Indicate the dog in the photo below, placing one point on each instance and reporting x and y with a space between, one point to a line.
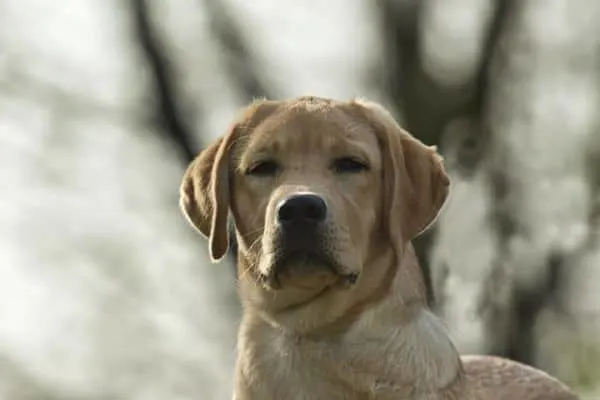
326 196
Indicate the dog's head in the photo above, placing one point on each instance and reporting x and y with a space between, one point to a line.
319 190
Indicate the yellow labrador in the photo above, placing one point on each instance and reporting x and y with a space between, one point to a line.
326 196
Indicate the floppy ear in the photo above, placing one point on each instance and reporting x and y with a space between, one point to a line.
429 184
204 191
204 195
415 182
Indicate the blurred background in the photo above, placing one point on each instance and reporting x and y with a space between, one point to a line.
107 293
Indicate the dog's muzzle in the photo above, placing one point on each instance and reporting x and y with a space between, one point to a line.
300 239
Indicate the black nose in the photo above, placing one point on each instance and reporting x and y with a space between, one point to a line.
302 208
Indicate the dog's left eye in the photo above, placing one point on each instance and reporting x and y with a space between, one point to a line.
263 168
348 165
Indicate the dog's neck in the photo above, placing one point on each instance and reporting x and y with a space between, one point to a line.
391 342
395 294
414 348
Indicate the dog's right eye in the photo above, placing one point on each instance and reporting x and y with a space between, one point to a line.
348 165
263 168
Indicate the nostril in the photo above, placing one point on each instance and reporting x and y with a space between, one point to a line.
285 212
315 211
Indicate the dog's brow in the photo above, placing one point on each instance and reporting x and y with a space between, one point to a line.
252 153
358 147
354 147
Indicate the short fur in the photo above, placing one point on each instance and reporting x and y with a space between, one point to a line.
309 333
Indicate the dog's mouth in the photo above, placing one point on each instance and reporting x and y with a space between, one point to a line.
307 268
304 259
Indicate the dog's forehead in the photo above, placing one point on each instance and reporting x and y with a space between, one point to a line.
310 128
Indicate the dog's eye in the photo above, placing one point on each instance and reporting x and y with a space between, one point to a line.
348 165
263 168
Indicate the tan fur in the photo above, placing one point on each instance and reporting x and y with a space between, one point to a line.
308 333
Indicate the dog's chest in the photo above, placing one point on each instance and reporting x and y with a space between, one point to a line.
306 369
411 363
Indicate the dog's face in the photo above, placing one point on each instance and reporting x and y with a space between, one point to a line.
318 190
306 196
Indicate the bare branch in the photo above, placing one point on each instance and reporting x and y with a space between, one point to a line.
241 64
167 112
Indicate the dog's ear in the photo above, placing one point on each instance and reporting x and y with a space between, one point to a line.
205 188
415 183
204 195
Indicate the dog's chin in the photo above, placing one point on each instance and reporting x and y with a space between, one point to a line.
306 276
306 271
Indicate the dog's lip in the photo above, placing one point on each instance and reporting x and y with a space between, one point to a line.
272 278
307 256
351 277
324 291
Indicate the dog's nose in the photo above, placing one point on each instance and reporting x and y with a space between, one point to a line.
302 208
